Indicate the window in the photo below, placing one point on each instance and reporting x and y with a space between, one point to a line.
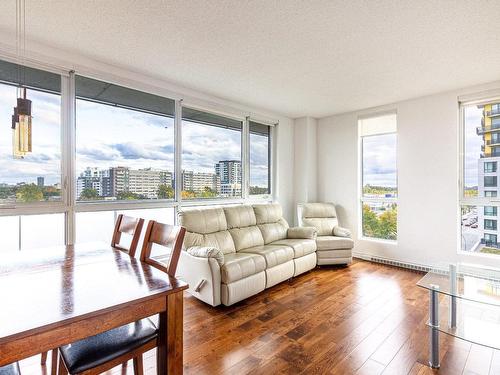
490 224
260 159
36 177
123 159
98 226
124 143
379 189
490 239
490 167
211 155
490 181
490 211
31 231
479 181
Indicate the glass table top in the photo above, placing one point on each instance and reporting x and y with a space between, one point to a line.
465 281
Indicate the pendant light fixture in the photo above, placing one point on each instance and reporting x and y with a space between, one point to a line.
21 119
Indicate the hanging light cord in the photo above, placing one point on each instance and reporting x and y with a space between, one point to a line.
21 39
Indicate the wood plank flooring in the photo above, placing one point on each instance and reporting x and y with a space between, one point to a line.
363 319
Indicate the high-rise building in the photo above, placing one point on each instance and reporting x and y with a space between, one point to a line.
146 181
40 181
119 180
229 173
489 173
200 181
95 179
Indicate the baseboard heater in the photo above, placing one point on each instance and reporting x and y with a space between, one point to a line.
390 262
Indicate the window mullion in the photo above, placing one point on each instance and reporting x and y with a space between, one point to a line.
178 152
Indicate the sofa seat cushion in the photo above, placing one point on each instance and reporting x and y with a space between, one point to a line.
300 247
237 266
273 254
334 243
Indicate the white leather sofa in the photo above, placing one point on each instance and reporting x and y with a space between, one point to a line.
334 243
232 253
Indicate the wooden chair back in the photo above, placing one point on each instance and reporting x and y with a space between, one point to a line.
129 225
165 235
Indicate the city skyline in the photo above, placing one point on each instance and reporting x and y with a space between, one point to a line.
147 143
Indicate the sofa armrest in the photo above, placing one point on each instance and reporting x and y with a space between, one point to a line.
207 252
302 232
341 232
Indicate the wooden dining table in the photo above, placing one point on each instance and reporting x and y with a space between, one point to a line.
56 296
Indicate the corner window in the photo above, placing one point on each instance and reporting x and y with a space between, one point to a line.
479 183
379 188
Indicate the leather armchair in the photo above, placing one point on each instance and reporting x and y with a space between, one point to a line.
333 242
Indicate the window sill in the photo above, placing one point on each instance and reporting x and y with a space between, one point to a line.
378 240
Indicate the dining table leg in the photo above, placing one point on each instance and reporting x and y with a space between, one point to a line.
169 355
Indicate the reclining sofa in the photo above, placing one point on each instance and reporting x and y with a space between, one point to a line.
232 253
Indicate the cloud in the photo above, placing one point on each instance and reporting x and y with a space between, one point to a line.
379 160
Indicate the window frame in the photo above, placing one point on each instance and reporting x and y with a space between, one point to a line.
463 200
361 198
69 206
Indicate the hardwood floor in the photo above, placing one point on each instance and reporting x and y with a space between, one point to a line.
363 319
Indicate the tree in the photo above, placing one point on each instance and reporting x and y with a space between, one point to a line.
29 193
370 222
208 193
89 194
258 190
384 226
129 196
165 192
188 194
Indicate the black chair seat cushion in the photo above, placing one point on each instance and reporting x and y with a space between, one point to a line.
12 369
104 347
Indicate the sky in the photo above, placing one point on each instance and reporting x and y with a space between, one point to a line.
379 160
110 136
473 143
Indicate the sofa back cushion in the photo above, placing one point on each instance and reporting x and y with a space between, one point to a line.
240 216
204 221
322 216
206 227
270 222
241 222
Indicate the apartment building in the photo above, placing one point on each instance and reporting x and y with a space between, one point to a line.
229 173
199 181
488 173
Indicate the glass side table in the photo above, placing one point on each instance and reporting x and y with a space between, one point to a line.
464 302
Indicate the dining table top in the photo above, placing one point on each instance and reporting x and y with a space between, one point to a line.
40 289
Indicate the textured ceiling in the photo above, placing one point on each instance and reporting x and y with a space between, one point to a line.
297 58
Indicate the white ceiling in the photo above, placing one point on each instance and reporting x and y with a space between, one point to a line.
298 58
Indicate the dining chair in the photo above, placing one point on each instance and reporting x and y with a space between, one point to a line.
129 225
53 361
168 236
106 350
12 369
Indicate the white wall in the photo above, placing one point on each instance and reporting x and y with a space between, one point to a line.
428 172
305 160
48 57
